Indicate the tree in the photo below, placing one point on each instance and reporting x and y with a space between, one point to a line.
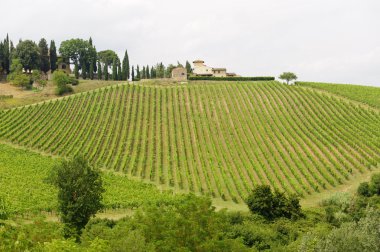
119 71
147 72
6 55
76 70
188 67
44 56
288 77
105 72
126 66
80 191
17 77
84 71
61 79
133 73
260 201
29 54
114 69
153 73
99 71
91 73
78 51
138 74
107 57
364 189
53 56
143 75
375 184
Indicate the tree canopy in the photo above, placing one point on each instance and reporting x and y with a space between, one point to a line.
107 57
288 77
29 54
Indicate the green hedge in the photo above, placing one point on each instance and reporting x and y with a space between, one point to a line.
264 78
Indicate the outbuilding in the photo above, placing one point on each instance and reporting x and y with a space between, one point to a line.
179 74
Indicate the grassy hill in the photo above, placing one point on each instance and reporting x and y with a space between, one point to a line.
364 94
217 138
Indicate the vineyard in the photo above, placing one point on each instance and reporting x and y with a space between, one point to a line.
218 139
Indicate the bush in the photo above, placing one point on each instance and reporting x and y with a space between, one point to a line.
74 81
271 206
61 79
231 78
375 184
21 80
364 190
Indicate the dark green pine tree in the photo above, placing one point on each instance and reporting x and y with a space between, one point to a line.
120 74
143 75
84 72
126 69
99 71
53 56
153 73
90 41
76 70
147 72
91 72
105 72
138 74
188 67
6 55
114 69
133 73
44 55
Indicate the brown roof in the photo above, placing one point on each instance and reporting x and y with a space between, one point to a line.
198 61
219 69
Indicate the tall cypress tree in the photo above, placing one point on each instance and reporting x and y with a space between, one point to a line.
119 71
133 73
188 67
114 69
138 74
153 73
91 72
1 57
126 66
99 71
147 72
44 55
53 56
143 75
105 72
76 70
84 71
6 56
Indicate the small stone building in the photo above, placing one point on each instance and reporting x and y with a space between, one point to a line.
219 72
179 74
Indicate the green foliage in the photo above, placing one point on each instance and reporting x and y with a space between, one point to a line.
133 73
364 94
37 77
114 69
288 77
29 55
209 78
78 51
364 190
271 206
91 72
107 57
375 184
21 80
44 55
188 68
3 210
84 71
80 189
125 70
105 72
76 70
61 79
53 56
100 76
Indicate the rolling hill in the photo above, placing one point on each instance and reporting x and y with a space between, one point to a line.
218 139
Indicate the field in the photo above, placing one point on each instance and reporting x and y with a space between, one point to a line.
24 188
218 139
364 94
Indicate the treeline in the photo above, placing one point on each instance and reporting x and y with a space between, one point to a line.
158 71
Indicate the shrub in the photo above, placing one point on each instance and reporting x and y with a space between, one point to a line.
375 184
74 81
231 78
21 80
364 190
61 79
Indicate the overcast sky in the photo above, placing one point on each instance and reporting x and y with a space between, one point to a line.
319 40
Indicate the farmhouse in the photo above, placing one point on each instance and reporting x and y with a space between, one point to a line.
179 74
200 69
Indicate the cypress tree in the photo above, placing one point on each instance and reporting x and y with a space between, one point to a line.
76 70
6 55
1 58
44 56
147 72
188 67
126 66
105 72
133 73
143 76
138 74
114 69
91 73
53 56
119 71
152 73
99 71
84 71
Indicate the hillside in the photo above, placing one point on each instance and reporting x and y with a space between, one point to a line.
218 139
364 94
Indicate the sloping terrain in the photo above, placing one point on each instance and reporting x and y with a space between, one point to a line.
218 139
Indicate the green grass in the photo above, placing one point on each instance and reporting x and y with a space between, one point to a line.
218 139
22 182
364 94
